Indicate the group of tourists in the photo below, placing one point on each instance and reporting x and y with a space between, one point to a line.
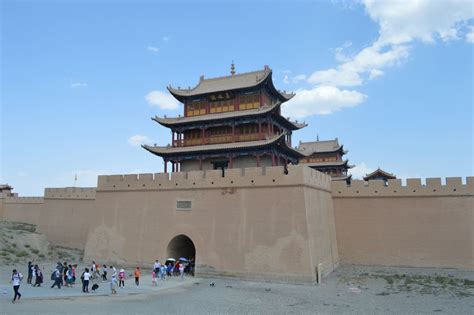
64 274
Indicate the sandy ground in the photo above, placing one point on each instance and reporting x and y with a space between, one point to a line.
348 290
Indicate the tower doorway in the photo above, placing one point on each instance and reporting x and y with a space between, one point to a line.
181 247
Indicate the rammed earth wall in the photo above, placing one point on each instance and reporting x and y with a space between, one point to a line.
253 223
66 215
428 225
22 209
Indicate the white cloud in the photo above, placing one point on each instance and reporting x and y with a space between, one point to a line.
321 100
404 21
375 73
153 49
295 79
335 77
162 100
470 35
137 140
166 38
400 23
360 170
78 84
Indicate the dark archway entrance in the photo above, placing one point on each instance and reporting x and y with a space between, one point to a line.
182 246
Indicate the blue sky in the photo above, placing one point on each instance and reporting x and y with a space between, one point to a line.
393 81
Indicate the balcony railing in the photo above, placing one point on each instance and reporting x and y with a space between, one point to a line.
227 138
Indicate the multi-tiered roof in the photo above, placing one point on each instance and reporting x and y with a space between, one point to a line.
230 121
326 156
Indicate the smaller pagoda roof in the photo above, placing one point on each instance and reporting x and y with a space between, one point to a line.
181 121
324 146
219 147
379 174
5 187
228 83
330 164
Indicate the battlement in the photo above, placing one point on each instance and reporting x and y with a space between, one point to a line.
29 200
236 177
413 188
70 193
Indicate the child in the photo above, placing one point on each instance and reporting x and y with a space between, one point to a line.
137 276
153 278
121 278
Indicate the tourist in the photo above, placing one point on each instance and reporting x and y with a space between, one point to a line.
169 269
104 273
74 267
113 280
93 269
69 276
121 278
162 272
157 266
153 278
65 270
56 276
137 276
181 270
30 272
16 279
39 276
85 281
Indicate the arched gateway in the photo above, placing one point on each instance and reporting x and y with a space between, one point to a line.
181 246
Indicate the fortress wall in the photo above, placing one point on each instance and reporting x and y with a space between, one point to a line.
22 209
417 225
66 215
253 223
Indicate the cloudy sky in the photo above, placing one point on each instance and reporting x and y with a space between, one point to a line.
79 81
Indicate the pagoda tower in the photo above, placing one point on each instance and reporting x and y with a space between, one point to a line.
233 121
326 156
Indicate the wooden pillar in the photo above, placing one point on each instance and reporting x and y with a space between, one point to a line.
172 138
277 160
200 163
258 159
172 166
233 132
231 161
273 159
259 130
237 102
203 132
166 166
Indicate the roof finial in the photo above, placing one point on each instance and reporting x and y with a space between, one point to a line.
232 68
317 137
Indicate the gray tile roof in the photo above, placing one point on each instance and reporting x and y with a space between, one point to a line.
328 164
227 83
308 148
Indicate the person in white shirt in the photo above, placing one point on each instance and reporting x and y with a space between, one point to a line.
16 279
113 280
157 266
85 281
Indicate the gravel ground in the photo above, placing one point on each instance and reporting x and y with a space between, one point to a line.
348 290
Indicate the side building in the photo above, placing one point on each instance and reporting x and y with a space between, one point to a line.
229 122
327 157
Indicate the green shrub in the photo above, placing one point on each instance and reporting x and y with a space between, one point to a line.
21 254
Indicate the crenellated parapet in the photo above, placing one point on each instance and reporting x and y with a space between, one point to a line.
24 200
70 193
413 188
237 177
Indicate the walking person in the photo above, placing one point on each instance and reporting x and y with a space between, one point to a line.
162 272
138 273
154 283
104 273
16 279
56 276
181 271
39 276
113 280
121 278
85 281
30 272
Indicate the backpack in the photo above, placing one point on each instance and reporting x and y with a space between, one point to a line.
53 275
